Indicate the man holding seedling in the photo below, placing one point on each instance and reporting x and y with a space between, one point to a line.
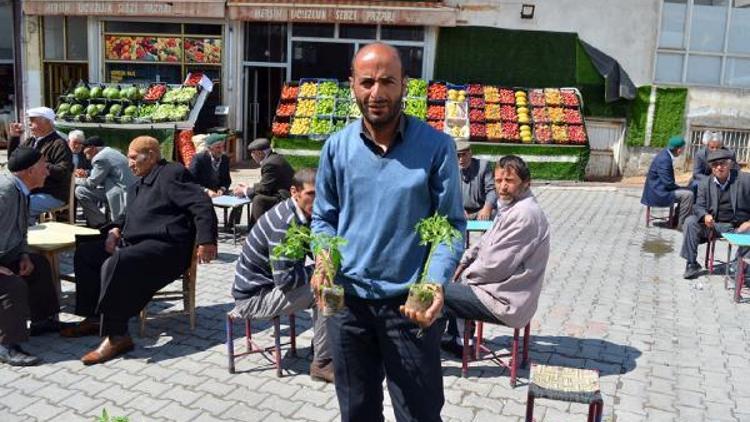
500 278
268 284
377 179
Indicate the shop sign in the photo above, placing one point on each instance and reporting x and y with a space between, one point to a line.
430 16
124 8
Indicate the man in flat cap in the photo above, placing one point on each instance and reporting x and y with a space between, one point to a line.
477 184
210 168
110 181
27 290
723 205
660 189
275 180
56 190
147 248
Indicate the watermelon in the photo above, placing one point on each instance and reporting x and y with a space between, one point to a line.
131 110
76 109
81 93
96 92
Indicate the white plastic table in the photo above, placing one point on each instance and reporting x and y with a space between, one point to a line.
227 202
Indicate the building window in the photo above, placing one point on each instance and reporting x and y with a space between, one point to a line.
704 43
65 47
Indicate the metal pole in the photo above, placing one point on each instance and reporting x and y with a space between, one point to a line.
18 52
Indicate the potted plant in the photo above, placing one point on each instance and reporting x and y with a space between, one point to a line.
432 232
298 242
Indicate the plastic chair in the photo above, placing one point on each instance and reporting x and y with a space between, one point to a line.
252 347
482 352
51 215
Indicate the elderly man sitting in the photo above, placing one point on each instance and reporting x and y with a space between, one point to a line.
56 190
266 287
723 205
148 248
210 168
477 186
275 179
660 189
500 278
81 165
110 182
26 287
712 141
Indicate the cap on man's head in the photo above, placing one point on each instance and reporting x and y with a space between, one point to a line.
214 138
259 144
676 142
23 158
93 141
45 112
718 155
462 146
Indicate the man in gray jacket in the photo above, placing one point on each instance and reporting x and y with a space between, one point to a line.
500 278
26 288
110 181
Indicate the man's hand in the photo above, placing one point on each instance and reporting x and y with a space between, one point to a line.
113 238
80 173
428 317
708 220
484 213
25 266
460 269
239 190
6 271
15 129
319 278
744 227
206 253
213 193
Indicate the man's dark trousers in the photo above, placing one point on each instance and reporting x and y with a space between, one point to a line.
370 340
694 233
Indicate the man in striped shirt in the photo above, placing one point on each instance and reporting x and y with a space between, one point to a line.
265 288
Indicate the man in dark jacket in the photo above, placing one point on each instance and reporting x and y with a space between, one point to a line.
701 170
56 189
148 248
275 180
477 184
210 168
723 205
26 287
660 189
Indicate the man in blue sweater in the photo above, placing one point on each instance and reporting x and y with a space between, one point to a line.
377 178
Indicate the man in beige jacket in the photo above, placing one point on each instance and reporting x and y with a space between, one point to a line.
500 278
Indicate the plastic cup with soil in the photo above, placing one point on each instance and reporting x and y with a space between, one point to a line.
332 297
421 296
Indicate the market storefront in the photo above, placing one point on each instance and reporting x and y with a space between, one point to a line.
9 86
289 41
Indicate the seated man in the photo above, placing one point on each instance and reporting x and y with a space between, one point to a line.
56 190
723 205
110 182
701 170
477 186
26 287
499 279
265 287
660 189
81 165
275 179
148 247
210 168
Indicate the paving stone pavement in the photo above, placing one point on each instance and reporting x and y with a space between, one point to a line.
614 300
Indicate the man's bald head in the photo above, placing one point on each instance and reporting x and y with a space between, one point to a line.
378 51
143 155
144 144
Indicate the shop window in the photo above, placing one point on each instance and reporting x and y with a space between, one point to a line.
358 32
54 41
704 70
402 33
708 25
6 23
411 60
65 38
669 67
738 72
321 59
673 19
313 30
739 28
265 42
76 39
143 27
196 29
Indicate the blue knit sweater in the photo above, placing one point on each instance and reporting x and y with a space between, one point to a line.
375 203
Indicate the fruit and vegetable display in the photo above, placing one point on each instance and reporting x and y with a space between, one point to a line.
146 49
130 103
203 50
316 108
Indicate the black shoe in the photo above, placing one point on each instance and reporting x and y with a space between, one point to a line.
455 349
48 325
692 270
13 355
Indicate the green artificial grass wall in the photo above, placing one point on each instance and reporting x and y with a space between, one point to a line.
669 115
637 116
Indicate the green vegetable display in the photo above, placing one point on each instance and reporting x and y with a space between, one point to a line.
342 108
354 110
339 124
327 89
344 92
416 88
321 126
179 95
324 106
416 107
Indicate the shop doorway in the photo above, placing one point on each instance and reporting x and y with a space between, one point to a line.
262 90
60 77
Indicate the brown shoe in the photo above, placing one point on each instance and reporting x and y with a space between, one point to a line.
322 370
110 348
84 328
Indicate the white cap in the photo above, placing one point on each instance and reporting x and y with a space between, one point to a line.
45 112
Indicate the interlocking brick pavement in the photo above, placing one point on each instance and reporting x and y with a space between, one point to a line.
614 300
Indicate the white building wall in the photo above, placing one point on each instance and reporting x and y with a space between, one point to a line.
626 30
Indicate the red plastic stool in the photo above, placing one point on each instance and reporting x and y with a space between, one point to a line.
252 347
482 352
668 219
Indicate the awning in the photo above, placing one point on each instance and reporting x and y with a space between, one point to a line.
136 8
356 12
